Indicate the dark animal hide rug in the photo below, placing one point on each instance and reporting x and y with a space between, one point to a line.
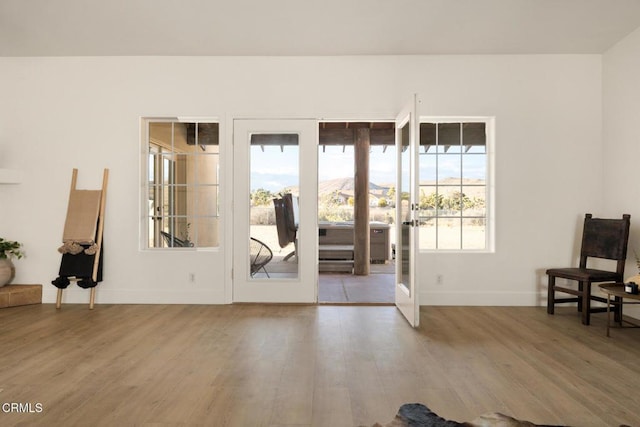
418 415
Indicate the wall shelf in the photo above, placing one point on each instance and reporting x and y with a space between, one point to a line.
10 176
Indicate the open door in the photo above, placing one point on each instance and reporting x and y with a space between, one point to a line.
407 138
275 211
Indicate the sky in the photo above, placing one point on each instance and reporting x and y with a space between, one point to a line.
274 170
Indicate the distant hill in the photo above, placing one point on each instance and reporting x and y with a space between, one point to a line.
344 184
472 187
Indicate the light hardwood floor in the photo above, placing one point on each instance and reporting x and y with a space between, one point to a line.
273 365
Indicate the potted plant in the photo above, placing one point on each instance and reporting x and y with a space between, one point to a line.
8 250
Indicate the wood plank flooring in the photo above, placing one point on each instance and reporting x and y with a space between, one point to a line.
278 365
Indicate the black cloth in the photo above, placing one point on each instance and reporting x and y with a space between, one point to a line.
79 266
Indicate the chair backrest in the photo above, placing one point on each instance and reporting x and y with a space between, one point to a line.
285 220
605 238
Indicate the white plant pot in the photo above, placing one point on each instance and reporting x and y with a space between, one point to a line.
7 271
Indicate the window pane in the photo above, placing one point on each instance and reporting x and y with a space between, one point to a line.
474 137
474 201
164 204
184 138
448 134
207 197
151 242
153 200
183 169
427 167
206 169
151 165
455 201
427 233
182 228
161 133
449 199
474 167
428 137
429 200
166 169
449 233
207 228
473 233
449 167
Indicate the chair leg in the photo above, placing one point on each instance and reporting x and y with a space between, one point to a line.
581 297
586 302
551 298
266 272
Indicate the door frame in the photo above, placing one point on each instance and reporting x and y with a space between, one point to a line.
407 294
303 288
227 171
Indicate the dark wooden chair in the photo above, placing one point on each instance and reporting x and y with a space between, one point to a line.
260 255
601 238
286 223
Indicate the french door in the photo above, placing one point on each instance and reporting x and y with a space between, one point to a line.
275 211
407 142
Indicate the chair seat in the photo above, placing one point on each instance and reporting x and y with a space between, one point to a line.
584 274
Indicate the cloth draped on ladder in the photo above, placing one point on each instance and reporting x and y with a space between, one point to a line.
79 240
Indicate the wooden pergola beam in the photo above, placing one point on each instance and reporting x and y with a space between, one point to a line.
361 249
347 136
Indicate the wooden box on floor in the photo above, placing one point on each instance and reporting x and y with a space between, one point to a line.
15 295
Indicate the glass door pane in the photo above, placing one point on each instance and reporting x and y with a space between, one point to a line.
273 205
405 208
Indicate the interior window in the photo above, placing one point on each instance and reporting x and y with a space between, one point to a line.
182 184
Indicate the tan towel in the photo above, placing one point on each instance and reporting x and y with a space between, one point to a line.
82 216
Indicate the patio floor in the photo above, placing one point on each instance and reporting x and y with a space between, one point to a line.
336 288
343 288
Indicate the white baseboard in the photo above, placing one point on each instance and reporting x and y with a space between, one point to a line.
492 298
76 295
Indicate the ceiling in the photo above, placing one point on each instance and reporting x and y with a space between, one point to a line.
312 27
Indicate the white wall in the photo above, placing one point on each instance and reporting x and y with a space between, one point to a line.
621 134
60 113
621 138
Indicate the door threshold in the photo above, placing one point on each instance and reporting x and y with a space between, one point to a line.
382 304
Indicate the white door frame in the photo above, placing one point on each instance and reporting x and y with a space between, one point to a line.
406 289
302 289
